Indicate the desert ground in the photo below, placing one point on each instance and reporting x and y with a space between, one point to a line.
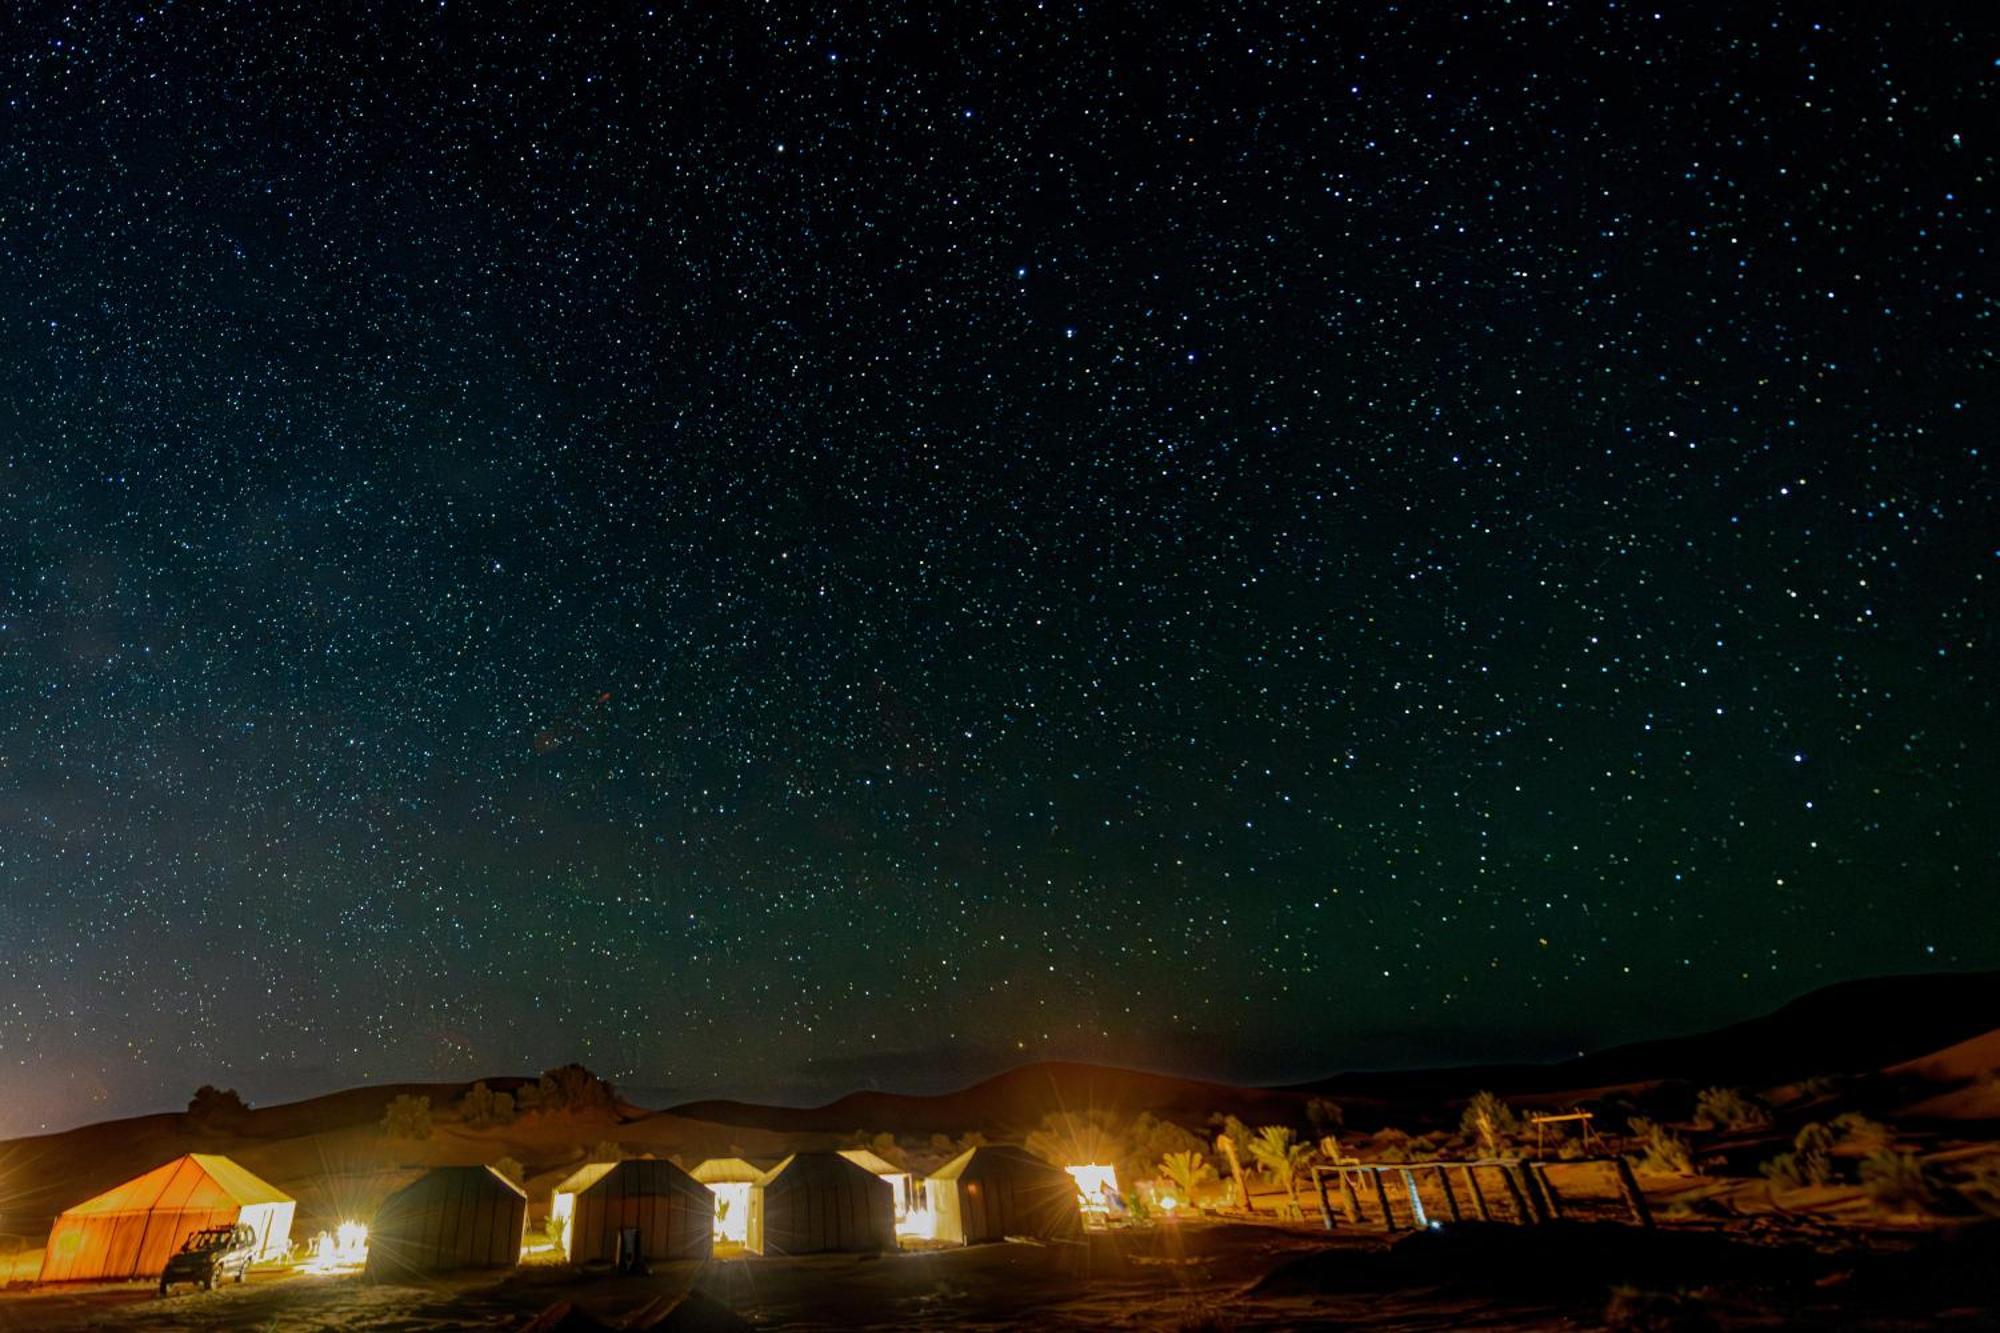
1858 1194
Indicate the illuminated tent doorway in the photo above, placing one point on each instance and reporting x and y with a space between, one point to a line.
730 1180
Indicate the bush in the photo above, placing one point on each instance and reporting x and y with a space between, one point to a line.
1489 1123
1662 1151
513 1170
408 1118
1325 1117
883 1145
1857 1131
216 1108
1148 1142
1898 1184
481 1106
1729 1109
571 1087
606 1151
1807 1164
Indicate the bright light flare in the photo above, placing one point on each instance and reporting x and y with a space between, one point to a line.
344 1251
1096 1187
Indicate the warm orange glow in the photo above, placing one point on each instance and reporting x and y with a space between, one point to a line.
1096 1186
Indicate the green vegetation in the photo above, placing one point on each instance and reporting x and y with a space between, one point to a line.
1489 1124
513 1170
481 1107
1898 1184
1809 1163
407 1117
1662 1151
1729 1109
1188 1171
212 1108
1281 1158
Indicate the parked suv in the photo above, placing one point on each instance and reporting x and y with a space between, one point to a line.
211 1254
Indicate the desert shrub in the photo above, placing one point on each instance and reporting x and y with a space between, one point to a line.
1730 1109
1281 1158
1325 1117
216 1108
1631 1310
571 1087
1187 1170
513 1170
1068 1138
1808 1163
1858 1132
1981 1189
1147 1142
481 1106
606 1151
1898 1184
883 1145
1388 1145
407 1117
1489 1124
1660 1149
1818 1086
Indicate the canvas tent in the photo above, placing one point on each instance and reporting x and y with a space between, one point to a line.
129 1231
674 1213
999 1190
730 1180
818 1201
449 1217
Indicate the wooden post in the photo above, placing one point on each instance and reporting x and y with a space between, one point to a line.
1350 1195
1538 1208
1319 1190
1418 1219
1479 1204
1552 1200
1450 1199
1635 1198
1382 1197
1521 1210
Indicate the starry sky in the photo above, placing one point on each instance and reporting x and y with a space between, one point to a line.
772 551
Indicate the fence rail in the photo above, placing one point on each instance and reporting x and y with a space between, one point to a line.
1394 1193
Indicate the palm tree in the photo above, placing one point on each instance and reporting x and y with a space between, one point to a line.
1281 1158
1187 1170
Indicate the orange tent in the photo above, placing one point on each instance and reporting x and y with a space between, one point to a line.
128 1232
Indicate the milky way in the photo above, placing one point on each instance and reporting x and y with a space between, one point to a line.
775 553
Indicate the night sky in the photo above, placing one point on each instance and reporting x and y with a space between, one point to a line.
772 553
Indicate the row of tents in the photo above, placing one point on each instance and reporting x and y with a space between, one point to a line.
457 1217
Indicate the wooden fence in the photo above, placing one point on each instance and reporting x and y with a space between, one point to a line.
1411 1196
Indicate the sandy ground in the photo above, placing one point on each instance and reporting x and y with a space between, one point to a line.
1192 1277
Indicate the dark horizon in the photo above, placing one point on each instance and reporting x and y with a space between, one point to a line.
942 1071
727 546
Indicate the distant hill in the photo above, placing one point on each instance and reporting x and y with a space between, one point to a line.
1853 1027
1009 1105
1934 1035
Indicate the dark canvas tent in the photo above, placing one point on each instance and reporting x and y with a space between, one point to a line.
674 1212
999 1190
449 1217
130 1231
818 1201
